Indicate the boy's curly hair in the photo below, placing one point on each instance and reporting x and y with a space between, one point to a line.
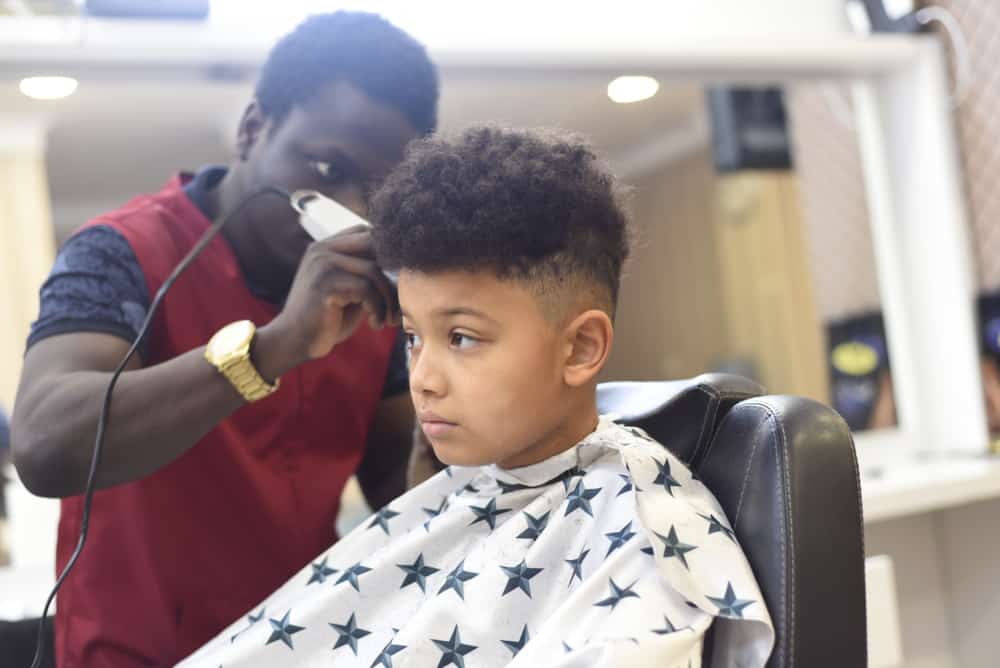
536 206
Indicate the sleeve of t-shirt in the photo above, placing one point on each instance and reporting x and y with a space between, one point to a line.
397 378
96 285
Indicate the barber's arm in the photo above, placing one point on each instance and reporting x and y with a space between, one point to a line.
159 412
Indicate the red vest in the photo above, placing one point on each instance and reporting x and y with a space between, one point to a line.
175 557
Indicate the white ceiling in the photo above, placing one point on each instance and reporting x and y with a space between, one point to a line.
112 139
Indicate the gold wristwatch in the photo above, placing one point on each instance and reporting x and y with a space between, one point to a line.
229 352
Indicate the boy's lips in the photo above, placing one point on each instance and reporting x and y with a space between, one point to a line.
434 424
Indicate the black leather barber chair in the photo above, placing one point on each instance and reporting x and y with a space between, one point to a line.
785 472
17 643
783 469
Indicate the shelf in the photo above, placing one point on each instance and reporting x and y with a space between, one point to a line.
914 486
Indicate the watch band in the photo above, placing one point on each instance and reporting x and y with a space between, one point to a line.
247 381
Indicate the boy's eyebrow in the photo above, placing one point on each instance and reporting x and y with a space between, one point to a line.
456 310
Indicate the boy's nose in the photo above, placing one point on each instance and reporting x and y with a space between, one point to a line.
425 379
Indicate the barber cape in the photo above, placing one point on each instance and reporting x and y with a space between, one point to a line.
607 554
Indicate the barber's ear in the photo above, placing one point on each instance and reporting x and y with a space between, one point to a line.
588 339
251 129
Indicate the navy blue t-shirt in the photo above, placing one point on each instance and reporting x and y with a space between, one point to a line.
96 285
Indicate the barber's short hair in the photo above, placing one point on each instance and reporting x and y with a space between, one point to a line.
531 205
357 47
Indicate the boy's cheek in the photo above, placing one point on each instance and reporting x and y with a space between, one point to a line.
462 452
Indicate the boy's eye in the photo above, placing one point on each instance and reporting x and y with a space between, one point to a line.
327 170
461 341
412 340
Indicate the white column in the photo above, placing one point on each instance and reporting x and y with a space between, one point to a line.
921 237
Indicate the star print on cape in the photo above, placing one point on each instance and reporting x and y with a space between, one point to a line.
619 538
668 627
434 512
381 519
665 478
349 633
579 498
610 550
320 572
351 575
576 564
416 573
519 577
627 487
283 630
715 525
568 477
487 513
516 646
456 580
672 547
384 658
536 525
508 487
252 619
618 594
453 650
729 605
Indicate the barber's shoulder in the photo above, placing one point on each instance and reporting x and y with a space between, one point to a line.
96 241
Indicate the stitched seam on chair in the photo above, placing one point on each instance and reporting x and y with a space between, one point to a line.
746 478
790 518
860 520
785 511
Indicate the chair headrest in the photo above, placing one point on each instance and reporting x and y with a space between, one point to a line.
681 414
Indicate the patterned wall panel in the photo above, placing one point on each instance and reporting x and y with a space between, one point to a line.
978 121
835 213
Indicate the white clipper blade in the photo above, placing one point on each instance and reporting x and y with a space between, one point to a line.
322 217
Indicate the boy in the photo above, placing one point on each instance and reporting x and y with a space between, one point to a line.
555 537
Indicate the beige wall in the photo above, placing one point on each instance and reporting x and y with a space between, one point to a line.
770 308
670 314
719 271
26 251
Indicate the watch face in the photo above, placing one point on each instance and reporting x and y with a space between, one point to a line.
231 337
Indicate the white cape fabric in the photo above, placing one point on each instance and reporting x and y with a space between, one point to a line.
607 554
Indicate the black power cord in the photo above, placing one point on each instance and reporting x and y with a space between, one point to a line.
102 422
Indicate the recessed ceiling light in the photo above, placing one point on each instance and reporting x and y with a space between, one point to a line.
48 88
632 89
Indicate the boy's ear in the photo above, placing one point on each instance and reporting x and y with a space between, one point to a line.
588 339
251 129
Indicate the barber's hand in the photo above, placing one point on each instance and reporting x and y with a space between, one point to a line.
337 284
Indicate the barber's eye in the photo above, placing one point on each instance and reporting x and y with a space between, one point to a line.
459 340
328 171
